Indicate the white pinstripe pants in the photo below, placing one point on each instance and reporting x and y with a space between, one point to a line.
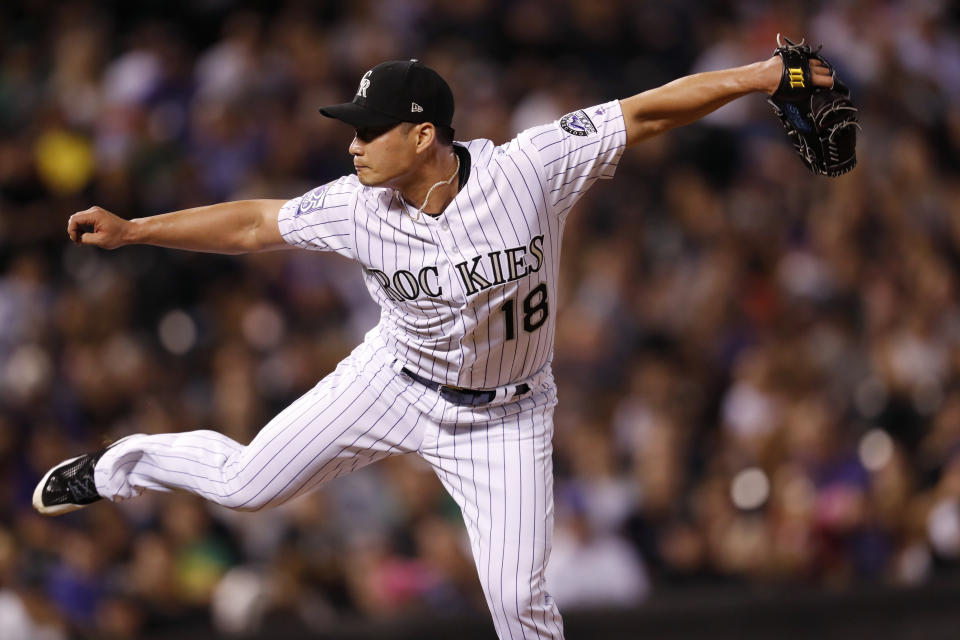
495 460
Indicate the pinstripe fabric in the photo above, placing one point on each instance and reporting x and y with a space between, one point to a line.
467 298
497 464
361 412
495 461
453 288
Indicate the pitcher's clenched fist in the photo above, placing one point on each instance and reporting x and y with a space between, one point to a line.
99 228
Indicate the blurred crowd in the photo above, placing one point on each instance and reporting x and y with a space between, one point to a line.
759 369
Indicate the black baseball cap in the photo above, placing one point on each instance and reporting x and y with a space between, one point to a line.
397 91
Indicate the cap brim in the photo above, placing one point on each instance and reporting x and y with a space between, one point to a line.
354 114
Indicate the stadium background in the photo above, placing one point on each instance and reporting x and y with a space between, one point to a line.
759 369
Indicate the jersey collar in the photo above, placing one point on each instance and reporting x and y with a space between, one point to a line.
464 154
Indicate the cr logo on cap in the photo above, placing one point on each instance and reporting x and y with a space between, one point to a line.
364 83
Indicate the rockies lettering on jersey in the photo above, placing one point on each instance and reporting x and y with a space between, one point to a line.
467 295
404 285
516 267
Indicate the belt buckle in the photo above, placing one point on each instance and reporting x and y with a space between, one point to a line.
465 397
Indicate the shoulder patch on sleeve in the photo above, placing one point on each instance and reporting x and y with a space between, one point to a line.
577 123
312 200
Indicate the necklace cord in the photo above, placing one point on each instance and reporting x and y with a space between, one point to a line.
430 191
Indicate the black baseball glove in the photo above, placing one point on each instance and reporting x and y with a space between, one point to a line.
821 122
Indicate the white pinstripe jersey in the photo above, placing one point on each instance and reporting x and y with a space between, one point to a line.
468 297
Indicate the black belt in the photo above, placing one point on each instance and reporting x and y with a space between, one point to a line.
461 396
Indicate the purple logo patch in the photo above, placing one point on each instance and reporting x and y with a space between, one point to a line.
577 123
311 201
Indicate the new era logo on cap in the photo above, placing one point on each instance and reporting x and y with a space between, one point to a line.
415 108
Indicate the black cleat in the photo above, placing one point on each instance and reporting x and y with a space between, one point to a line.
69 485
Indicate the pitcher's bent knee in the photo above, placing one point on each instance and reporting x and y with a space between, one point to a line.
246 490
247 486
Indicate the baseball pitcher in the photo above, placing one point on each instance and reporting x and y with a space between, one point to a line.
459 245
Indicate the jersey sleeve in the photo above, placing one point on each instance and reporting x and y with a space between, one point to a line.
321 219
577 150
